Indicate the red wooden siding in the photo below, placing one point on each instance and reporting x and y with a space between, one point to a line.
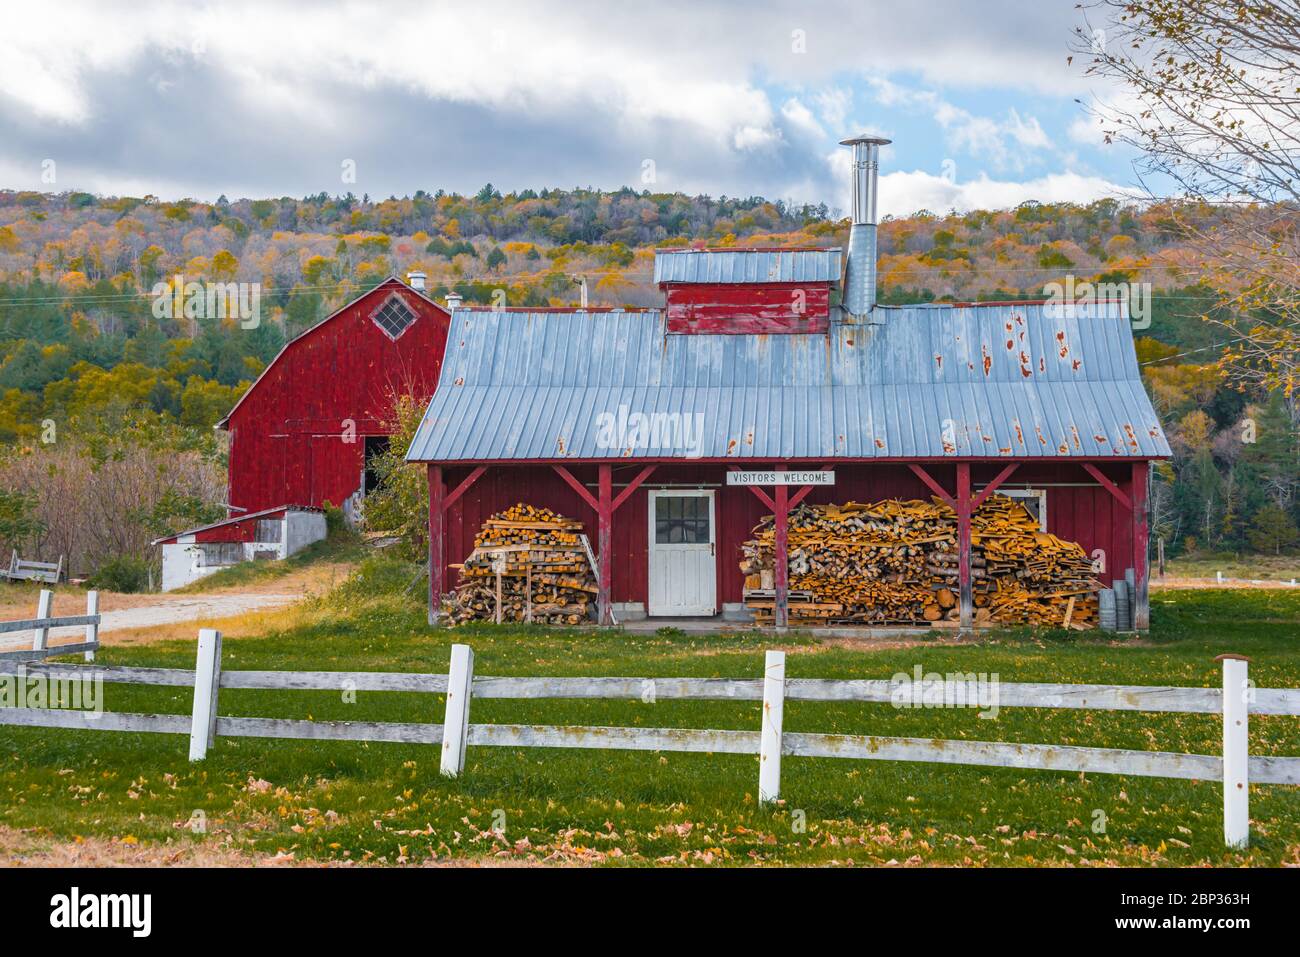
287 437
1088 515
748 308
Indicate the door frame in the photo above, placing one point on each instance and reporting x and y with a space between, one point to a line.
652 496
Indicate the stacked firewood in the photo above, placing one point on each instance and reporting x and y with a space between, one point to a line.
896 562
528 564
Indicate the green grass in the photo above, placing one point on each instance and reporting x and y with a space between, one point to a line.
343 545
387 803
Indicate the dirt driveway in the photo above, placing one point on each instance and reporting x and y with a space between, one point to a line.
132 619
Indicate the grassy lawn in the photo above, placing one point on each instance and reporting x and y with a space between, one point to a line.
341 546
382 803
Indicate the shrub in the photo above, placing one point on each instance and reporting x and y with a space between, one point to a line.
400 504
381 577
125 573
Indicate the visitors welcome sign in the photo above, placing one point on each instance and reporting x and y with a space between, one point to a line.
781 478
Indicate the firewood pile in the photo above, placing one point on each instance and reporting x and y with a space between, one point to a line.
896 562
529 562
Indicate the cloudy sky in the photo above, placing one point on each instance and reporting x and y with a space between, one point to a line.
269 98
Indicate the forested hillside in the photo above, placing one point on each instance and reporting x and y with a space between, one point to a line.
97 388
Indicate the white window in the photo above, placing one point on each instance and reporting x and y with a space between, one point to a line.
213 554
394 316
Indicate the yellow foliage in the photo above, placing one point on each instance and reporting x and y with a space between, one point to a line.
74 281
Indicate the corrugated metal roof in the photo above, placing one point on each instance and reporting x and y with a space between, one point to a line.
235 520
747 265
928 382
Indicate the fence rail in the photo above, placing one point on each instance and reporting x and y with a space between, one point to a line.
40 628
1235 701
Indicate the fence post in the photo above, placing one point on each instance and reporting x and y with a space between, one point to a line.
207 679
769 755
42 635
455 727
1236 753
92 630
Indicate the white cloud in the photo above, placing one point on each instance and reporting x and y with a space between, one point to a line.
802 118
751 138
1086 130
426 95
833 105
1002 142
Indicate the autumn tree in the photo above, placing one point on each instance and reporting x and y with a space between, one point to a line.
1210 96
1273 531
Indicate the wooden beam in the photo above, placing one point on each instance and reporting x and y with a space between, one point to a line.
935 487
1142 598
993 486
633 485
437 540
967 621
604 545
781 557
1108 485
577 486
758 492
463 487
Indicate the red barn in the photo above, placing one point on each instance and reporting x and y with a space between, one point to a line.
304 431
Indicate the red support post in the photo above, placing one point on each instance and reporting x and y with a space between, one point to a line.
463 487
604 546
781 613
577 486
437 540
1142 598
964 546
993 486
632 486
758 493
934 486
1108 485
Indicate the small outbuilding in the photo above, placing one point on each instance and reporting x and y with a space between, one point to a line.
273 533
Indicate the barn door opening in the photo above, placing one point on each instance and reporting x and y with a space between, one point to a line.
683 563
376 445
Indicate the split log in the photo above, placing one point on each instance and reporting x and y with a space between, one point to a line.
536 559
896 562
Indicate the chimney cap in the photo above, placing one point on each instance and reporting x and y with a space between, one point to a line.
865 138
415 279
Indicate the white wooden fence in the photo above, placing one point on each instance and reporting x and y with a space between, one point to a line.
45 620
1235 701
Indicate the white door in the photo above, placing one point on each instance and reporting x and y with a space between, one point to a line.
683 575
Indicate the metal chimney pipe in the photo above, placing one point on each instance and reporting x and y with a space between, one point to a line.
453 300
860 274
415 280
